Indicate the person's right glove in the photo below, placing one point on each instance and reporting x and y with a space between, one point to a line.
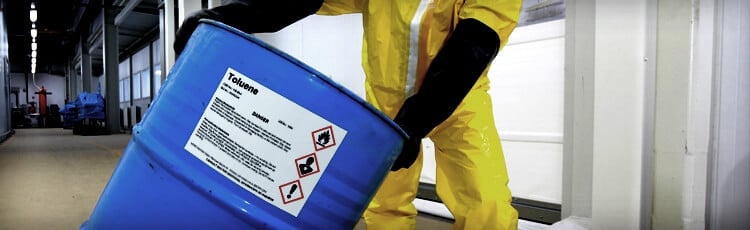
249 16
450 77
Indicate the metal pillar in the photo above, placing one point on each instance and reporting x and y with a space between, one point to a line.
171 17
187 7
68 75
85 63
111 69
168 27
579 109
71 92
214 3
26 81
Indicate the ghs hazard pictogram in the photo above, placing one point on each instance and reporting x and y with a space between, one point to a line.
291 192
323 138
307 165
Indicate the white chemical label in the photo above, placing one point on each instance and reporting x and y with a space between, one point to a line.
263 142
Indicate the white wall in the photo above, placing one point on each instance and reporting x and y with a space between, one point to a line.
527 95
52 83
329 44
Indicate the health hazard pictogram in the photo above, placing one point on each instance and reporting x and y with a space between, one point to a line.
291 192
307 165
323 138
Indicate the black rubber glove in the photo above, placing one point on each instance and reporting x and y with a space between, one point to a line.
453 72
249 16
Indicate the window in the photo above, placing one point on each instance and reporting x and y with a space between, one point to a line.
157 78
140 64
136 86
156 54
122 91
145 84
124 72
126 89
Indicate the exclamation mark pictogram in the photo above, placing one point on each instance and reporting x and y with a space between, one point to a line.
291 191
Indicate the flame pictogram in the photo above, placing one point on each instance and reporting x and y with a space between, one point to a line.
324 138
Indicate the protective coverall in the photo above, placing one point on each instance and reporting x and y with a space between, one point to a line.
401 38
412 52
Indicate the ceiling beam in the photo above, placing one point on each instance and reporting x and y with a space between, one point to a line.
126 10
79 14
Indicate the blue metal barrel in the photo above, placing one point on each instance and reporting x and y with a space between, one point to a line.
244 136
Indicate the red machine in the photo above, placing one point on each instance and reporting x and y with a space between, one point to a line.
42 101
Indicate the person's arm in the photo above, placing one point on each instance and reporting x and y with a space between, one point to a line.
457 66
250 16
453 72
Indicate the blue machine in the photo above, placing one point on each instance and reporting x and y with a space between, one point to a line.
90 106
69 114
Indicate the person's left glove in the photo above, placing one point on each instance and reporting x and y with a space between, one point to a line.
409 111
408 155
249 16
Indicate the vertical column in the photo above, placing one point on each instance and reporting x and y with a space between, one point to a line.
168 27
674 40
619 70
26 80
649 107
699 116
579 108
187 7
68 79
85 62
214 3
606 100
111 69
171 17
729 160
72 76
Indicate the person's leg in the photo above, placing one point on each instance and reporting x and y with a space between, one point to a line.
472 180
392 207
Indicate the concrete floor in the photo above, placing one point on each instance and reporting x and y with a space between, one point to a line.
51 179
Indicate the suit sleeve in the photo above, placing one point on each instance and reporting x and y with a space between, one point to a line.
338 7
499 15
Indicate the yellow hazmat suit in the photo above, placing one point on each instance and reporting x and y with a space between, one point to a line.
401 38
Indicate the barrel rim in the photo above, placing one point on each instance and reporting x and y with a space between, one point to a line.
316 73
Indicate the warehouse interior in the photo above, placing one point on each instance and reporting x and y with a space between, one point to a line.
612 114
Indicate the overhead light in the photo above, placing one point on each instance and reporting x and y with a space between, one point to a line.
33 32
32 13
33 71
33 46
33 53
33 66
33 60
